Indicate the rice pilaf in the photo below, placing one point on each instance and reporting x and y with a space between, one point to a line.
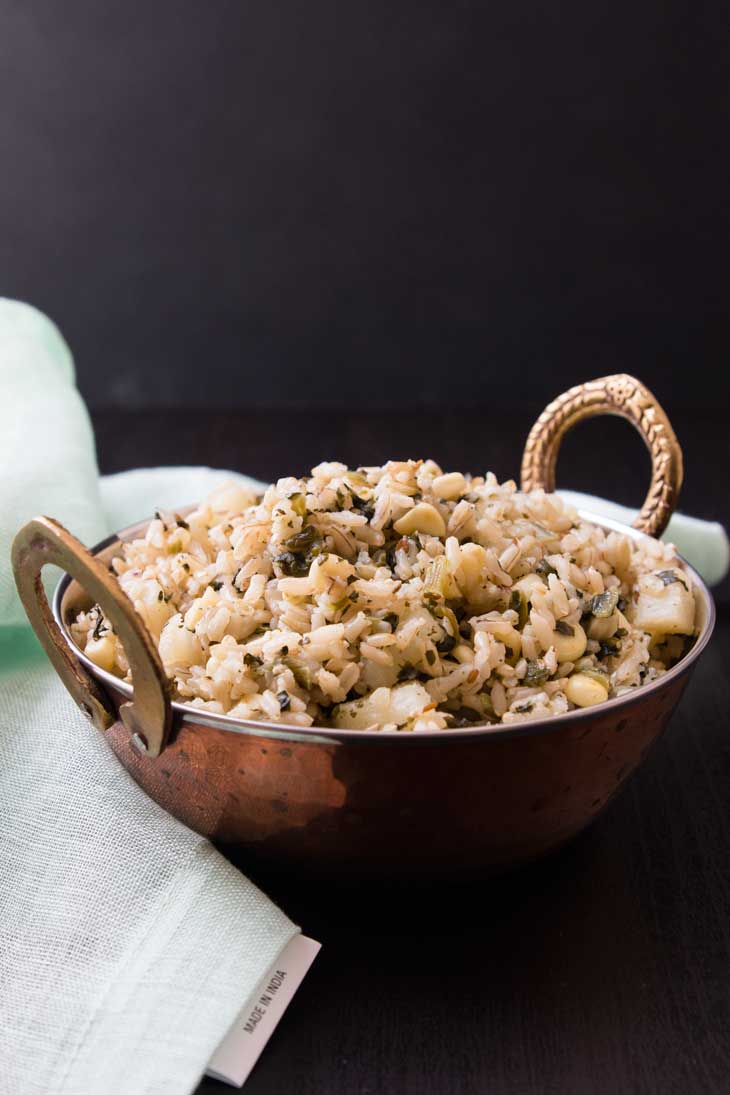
396 598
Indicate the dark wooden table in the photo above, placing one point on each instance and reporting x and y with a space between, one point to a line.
602 971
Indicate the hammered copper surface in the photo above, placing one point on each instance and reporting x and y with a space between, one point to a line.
400 807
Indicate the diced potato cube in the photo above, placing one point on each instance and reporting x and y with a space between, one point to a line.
150 602
385 705
179 647
665 604
406 701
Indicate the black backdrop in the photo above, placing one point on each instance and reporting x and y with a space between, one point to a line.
239 204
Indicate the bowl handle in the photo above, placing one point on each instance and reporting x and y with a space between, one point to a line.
628 398
148 715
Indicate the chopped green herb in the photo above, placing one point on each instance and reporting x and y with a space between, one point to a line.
563 628
97 632
302 541
669 576
339 606
518 604
604 605
302 547
298 504
367 509
292 564
301 675
537 673
461 721
545 569
487 705
431 656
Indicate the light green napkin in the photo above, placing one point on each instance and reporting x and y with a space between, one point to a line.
128 944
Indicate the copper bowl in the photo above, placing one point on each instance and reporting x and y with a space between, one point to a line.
368 802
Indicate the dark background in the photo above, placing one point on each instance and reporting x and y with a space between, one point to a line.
284 204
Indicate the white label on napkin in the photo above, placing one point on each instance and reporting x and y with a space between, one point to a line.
241 1047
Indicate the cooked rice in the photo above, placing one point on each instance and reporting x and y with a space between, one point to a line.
396 597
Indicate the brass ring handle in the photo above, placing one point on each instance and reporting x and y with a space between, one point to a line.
148 715
628 398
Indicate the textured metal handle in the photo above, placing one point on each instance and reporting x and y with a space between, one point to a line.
628 398
148 715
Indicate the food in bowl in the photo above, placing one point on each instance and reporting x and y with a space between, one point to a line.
398 598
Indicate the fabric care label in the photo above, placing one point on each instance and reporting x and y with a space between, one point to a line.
241 1047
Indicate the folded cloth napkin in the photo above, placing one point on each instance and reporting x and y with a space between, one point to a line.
128 944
